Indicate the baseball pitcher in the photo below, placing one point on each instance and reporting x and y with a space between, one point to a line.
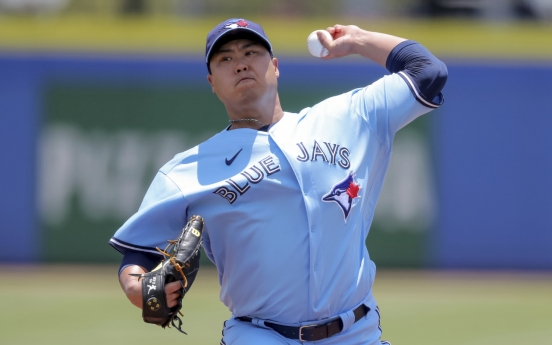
287 198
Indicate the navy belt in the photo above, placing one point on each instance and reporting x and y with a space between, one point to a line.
312 332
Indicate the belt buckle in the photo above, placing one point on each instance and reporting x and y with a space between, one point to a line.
301 331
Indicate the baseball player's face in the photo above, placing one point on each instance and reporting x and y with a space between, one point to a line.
243 72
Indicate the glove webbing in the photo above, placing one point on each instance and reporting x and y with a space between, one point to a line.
175 263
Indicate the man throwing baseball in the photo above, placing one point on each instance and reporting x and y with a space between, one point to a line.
287 198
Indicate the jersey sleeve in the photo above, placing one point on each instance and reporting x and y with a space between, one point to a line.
387 105
161 217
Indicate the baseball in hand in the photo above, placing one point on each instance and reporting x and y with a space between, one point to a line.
315 47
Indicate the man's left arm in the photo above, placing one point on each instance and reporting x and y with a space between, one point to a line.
422 71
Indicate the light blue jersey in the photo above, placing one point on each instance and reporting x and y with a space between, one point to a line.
286 211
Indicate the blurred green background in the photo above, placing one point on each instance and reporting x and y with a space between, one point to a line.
84 305
57 303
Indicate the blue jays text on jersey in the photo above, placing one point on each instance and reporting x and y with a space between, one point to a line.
318 152
253 175
286 211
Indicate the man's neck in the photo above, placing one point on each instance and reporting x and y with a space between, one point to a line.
255 115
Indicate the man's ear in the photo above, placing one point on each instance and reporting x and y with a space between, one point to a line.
275 64
210 80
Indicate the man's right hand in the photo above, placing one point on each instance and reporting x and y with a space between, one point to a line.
133 287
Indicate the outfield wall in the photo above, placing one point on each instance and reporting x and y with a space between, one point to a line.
469 185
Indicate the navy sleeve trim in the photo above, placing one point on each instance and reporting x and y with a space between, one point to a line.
435 104
123 247
424 74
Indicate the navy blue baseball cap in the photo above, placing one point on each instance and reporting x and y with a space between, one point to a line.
233 29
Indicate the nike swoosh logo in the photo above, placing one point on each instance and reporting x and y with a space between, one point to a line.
229 162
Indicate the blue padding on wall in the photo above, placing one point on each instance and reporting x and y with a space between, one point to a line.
494 161
24 78
19 109
493 144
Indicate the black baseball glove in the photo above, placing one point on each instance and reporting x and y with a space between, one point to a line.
181 263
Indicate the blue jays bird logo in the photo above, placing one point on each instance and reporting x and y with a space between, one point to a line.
343 193
239 24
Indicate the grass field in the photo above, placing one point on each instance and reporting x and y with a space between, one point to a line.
84 305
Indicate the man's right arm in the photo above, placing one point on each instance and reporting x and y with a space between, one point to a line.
135 262
138 263
131 285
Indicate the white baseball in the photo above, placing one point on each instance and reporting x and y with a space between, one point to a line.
315 47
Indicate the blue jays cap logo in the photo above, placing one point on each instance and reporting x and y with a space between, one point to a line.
344 193
234 25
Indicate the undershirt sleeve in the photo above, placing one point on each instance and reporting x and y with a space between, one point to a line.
133 257
424 74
